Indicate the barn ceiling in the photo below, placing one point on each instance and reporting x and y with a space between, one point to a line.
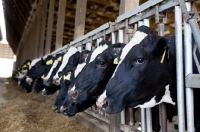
99 12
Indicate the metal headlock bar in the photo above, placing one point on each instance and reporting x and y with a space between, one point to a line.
140 16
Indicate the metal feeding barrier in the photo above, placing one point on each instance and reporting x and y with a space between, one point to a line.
114 32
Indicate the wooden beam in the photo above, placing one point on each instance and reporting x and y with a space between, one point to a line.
80 18
60 24
43 26
49 27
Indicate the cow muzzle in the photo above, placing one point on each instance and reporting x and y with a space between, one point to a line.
63 110
56 109
29 80
46 82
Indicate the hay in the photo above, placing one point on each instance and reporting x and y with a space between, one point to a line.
30 113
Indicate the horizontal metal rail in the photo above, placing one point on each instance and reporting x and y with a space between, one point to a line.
110 27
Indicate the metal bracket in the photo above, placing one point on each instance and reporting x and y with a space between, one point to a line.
193 14
159 15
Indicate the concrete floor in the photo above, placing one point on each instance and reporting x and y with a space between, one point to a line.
3 82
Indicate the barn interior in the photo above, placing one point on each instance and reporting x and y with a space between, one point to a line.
35 28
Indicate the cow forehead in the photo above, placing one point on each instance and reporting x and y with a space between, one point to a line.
137 38
79 69
34 62
97 51
66 57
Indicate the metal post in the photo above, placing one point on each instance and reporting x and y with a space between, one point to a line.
148 110
179 69
120 36
143 111
196 32
79 48
163 109
188 70
88 46
113 37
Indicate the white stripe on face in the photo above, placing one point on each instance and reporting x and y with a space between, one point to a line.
55 63
34 62
71 51
166 98
79 69
97 51
137 38
101 99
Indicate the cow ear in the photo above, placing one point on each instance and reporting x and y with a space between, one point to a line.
117 49
161 46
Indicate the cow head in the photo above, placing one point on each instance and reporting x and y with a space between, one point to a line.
143 75
56 64
92 80
70 58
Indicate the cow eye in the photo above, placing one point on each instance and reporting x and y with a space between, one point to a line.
102 63
139 61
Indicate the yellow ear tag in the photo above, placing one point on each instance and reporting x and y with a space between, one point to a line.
24 66
59 58
28 63
60 78
24 70
163 56
42 76
68 76
49 62
115 61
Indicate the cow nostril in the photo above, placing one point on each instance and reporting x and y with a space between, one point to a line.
64 110
74 95
105 105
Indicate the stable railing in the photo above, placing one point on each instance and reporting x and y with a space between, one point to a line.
114 31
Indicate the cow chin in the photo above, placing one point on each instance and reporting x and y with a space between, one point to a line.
111 107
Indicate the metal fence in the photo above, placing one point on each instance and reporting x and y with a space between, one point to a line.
125 24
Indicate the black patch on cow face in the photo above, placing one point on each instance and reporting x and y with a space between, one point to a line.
140 76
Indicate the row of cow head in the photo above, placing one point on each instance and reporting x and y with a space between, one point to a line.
113 76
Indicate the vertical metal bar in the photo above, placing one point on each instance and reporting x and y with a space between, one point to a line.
121 40
97 43
143 111
79 48
188 70
88 46
148 110
163 109
179 69
113 37
196 32
131 120
121 36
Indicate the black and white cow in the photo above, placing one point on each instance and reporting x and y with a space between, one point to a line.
67 77
67 58
91 81
145 75
38 70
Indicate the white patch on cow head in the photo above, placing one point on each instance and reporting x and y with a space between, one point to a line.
101 99
34 62
166 98
71 51
79 69
73 88
97 51
55 63
137 38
